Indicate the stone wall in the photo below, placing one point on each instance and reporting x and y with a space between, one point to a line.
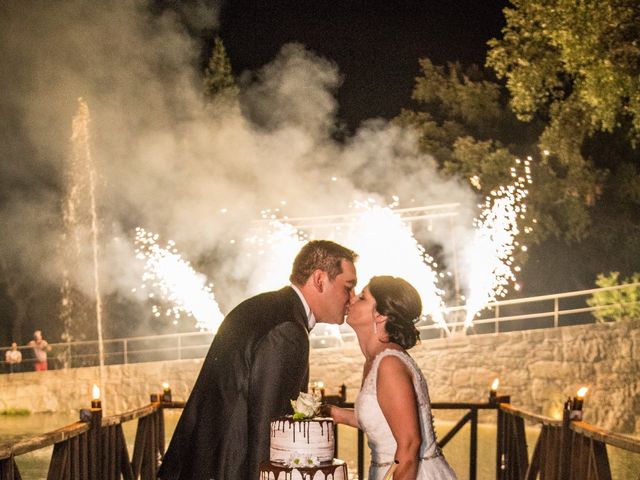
538 368
68 390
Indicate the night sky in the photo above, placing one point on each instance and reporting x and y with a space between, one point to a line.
376 45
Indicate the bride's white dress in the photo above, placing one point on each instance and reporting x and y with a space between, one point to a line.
371 420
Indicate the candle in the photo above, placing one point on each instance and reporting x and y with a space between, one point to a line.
577 402
579 398
493 392
95 402
166 392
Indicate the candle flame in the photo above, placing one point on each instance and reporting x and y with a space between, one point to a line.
95 391
495 384
582 392
165 385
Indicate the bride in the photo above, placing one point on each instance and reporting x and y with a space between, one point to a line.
393 406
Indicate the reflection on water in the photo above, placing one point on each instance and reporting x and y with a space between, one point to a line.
33 466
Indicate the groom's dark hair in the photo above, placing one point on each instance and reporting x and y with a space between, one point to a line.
323 255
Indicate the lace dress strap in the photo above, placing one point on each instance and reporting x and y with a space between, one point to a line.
418 380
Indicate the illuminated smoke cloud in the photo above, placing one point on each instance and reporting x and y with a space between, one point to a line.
169 164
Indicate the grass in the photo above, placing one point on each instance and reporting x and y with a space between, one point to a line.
15 412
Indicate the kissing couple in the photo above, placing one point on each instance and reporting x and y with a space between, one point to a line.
259 361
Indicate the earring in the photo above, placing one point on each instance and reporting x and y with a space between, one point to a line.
375 326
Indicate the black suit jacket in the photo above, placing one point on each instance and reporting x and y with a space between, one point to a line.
257 363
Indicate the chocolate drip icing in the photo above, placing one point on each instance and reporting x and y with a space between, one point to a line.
307 473
303 427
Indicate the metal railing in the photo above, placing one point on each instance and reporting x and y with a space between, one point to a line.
545 311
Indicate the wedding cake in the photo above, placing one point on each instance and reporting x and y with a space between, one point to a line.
302 445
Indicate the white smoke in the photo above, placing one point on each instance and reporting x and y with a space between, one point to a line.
199 176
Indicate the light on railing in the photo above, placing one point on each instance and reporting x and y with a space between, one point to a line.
317 388
493 391
95 394
576 404
166 392
582 391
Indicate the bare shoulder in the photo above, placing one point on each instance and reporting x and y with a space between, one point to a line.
392 367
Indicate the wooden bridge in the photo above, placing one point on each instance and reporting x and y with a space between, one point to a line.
95 447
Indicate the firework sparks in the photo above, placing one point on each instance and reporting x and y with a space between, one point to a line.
384 242
494 245
386 246
169 276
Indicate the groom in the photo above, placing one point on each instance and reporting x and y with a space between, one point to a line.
257 363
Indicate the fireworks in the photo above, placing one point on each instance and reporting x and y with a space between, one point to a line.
494 245
169 276
381 235
386 246
383 240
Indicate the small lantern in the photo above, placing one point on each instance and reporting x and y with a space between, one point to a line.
493 391
166 392
95 393
577 402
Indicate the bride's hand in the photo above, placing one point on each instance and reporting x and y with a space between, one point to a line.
325 410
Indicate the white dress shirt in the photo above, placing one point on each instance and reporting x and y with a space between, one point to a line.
311 319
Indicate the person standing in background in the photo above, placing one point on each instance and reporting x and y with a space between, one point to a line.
13 358
40 348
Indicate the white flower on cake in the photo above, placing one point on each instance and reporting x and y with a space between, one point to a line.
295 460
311 461
298 460
306 405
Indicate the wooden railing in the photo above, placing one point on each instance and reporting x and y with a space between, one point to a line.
565 450
95 447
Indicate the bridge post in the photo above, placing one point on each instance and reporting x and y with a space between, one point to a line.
473 445
565 444
93 417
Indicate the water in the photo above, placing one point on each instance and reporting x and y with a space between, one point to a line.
80 217
33 466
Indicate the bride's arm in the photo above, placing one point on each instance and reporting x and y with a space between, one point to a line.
397 400
345 416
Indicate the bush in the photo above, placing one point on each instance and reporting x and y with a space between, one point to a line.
620 304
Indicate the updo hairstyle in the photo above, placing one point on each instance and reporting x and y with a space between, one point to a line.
400 303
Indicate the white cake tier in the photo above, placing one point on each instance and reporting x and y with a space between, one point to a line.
336 470
301 437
